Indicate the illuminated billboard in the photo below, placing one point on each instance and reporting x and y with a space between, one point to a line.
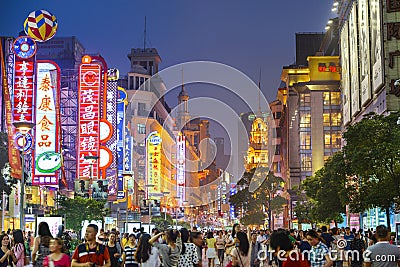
122 101
88 118
376 45
345 81
45 158
180 166
353 48
23 89
363 24
153 165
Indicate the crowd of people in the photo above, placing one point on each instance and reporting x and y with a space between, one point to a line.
238 247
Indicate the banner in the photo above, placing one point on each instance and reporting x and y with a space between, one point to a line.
121 103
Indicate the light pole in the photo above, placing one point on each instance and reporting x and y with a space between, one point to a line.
23 127
92 161
148 186
127 177
176 211
165 194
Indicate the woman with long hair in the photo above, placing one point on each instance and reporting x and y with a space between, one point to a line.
230 243
6 253
211 249
41 244
19 248
284 249
241 254
220 244
171 251
114 249
146 254
57 257
128 257
189 256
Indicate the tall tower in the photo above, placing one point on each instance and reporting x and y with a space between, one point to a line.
183 111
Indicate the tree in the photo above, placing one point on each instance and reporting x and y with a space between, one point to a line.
78 209
372 152
327 189
263 184
162 224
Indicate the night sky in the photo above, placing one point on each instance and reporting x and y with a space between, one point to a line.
247 35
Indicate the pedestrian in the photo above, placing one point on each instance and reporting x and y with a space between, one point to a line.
57 257
319 255
41 244
337 252
128 257
19 248
114 249
382 254
6 253
146 254
220 243
211 249
171 251
241 254
359 246
326 236
91 252
197 239
189 256
255 248
285 251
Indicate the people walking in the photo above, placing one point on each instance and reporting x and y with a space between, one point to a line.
189 256
128 257
57 257
91 252
171 251
319 255
114 249
211 249
146 254
6 253
19 248
41 244
220 244
241 253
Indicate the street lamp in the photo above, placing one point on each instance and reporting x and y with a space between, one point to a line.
92 161
23 127
165 194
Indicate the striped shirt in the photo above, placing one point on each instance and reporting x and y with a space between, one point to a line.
130 255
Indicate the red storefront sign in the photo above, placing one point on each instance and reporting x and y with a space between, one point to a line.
23 89
89 120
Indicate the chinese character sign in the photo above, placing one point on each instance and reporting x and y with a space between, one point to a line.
23 89
180 161
46 130
89 119
153 170
121 103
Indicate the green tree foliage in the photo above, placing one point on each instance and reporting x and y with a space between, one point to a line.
372 152
327 190
78 209
162 224
253 203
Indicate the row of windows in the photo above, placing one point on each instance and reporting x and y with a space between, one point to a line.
331 98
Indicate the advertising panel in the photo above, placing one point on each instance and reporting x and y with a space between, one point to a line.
376 44
232 191
45 157
153 165
121 103
353 48
345 81
23 89
180 172
366 92
89 120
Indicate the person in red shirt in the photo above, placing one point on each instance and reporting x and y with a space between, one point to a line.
91 253
285 251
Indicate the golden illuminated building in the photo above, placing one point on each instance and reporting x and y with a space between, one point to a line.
257 153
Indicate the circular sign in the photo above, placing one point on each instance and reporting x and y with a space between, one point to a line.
106 130
105 158
48 162
22 142
155 140
24 47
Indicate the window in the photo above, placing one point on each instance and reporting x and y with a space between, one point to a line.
277 115
327 141
336 119
335 98
305 99
305 140
141 128
327 119
305 120
278 150
306 164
